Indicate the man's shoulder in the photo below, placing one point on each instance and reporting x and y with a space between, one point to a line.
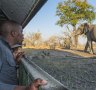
2 44
3 48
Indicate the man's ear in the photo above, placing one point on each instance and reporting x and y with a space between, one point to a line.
13 34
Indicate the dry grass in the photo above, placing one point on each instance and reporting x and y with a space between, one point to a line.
70 67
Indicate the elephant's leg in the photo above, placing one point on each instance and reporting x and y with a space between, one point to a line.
91 47
90 43
86 47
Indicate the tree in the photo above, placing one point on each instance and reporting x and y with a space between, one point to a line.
33 39
71 12
52 41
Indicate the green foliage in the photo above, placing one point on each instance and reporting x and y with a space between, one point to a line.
72 11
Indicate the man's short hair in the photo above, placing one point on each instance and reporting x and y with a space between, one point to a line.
7 26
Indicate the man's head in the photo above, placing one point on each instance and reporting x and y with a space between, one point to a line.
11 31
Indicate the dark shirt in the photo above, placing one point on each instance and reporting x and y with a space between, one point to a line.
8 73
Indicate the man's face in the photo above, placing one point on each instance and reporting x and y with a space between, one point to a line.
19 35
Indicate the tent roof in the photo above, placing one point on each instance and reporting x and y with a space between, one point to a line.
21 11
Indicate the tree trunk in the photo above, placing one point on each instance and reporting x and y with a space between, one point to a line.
75 37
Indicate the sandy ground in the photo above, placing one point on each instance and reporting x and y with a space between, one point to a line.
79 53
61 52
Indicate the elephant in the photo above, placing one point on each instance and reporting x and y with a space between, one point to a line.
90 32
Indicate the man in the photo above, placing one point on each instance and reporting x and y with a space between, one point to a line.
11 34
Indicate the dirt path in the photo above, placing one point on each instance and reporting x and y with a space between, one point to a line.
80 53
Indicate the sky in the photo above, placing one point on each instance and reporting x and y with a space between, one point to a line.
45 20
